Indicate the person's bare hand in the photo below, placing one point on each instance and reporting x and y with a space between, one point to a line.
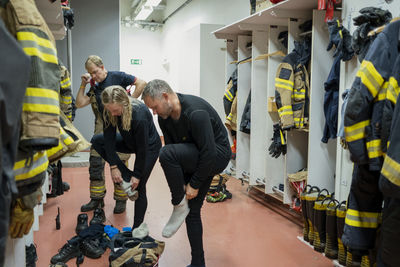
116 175
191 192
135 182
85 78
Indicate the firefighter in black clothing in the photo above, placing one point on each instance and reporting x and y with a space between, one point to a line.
196 148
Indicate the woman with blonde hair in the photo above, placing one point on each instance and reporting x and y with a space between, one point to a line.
137 134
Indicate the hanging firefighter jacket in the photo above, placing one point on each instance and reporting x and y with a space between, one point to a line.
231 119
363 115
389 182
245 124
230 92
363 131
65 92
30 171
71 141
390 174
230 103
331 101
40 111
392 94
14 70
292 87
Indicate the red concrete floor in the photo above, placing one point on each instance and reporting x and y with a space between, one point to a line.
242 232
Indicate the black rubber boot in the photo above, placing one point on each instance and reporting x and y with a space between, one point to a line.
82 223
120 206
30 255
94 203
91 249
98 216
68 251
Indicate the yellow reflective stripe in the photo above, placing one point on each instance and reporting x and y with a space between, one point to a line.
66 85
66 102
362 219
227 96
374 148
229 117
34 171
41 92
279 80
356 131
97 187
41 108
54 150
97 191
22 163
65 80
391 170
370 77
30 36
33 51
285 110
229 92
118 191
278 85
393 90
65 137
382 93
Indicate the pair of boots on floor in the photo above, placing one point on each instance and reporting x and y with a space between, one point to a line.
120 205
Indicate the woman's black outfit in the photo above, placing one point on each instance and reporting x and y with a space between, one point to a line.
143 140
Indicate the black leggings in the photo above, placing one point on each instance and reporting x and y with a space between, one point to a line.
179 162
151 158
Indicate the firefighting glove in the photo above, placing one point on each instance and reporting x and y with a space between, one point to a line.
21 219
278 145
335 35
347 49
374 16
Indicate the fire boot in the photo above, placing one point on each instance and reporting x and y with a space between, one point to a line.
304 213
331 245
58 264
94 203
98 216
91 248
82 223
68 251
310 197
320 220
357 258
30 255
340 217
120 206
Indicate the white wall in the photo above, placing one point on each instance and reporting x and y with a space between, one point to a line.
96 32
195 13
145 45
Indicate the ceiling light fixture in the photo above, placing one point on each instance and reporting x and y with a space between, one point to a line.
144 13
153 2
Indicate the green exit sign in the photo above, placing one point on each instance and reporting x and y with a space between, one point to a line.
136 61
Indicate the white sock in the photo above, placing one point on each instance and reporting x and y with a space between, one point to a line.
140 232
177 218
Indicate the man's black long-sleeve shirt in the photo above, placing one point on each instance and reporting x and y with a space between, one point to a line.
139 139
201 125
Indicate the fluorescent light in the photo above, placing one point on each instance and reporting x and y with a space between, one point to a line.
144 13
153 2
